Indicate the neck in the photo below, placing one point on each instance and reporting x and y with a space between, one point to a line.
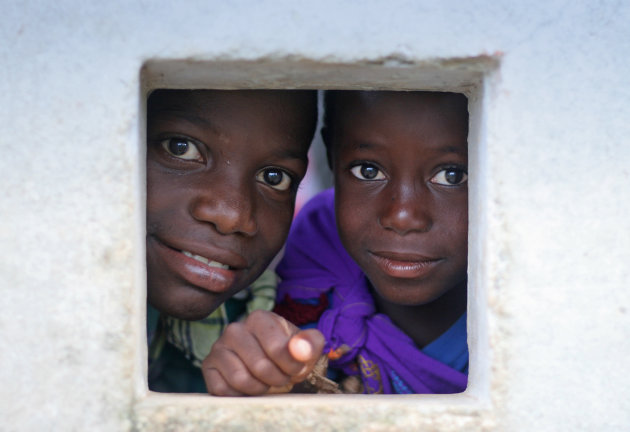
425 323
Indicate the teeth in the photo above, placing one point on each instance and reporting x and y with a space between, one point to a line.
218 265
206 261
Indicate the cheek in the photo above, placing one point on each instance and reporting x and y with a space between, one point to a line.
167 198
455 228
461 222
164 208
459 226
351 210
274 222
347 222
354 225
159 190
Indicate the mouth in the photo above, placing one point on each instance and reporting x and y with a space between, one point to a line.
405 266
206 261
216 275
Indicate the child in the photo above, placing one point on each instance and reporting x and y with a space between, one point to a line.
381 264
223 169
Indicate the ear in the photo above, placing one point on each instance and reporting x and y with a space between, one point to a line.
325 133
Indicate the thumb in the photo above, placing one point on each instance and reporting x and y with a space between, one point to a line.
306 346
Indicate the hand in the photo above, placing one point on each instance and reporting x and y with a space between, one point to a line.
263 354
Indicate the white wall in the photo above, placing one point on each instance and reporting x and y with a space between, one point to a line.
550 143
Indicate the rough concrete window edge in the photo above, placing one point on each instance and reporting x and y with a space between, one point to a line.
473 76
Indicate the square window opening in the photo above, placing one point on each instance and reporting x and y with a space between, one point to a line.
472 77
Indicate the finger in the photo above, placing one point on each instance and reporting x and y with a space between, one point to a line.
216 385
300 348
306 347
273 333
235 376
248 350
279 390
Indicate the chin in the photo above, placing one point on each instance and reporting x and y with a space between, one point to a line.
408 296
193 315
187 303
406 301
192 311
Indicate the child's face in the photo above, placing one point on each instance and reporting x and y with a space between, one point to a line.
400 162
222 172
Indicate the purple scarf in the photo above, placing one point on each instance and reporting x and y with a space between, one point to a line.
316 262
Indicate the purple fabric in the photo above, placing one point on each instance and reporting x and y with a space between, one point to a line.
315 261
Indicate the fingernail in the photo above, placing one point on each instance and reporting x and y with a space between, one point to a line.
277 390
301 350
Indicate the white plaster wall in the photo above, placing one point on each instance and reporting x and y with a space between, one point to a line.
553 152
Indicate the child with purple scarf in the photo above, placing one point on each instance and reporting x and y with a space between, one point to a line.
379 266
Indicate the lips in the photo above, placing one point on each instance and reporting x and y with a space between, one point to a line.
215 275
205 260
404 265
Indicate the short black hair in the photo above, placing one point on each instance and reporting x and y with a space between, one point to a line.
159 94
330 112
330 120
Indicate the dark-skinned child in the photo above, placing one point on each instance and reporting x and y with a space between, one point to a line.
223 167
380 264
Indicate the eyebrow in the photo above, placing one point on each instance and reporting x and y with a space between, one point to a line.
182 113
365 145
452 149
290 154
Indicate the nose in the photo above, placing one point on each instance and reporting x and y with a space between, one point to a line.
229 206
407 209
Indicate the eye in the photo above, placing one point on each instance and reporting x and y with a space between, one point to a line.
275 178
450 177
366 171
182 148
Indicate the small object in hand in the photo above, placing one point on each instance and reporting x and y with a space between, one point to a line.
337 353
317 379
352 384
315 382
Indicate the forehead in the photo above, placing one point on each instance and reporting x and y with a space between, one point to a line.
286 110
435 119
399 106
199 99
